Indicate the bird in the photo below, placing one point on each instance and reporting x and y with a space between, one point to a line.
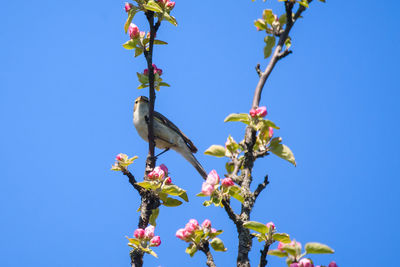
166 134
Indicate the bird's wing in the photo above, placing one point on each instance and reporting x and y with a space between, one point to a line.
169 123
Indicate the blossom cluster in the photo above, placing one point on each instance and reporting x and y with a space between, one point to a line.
307 263
258 112
212 182
160 173
156 70
166 3
187 233
147 235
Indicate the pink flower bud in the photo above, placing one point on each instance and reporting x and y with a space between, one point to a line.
213 230
206 224
157 173
305 263
155 241
159 71
119 157
164 168
270 132
253 112
294 264
227 182
332 264
180 234
270 225
168 180
133 31
194 222
261 111
146 72
149 232
128 7
171 5
190 228
207 189
280 246
139 233
212 178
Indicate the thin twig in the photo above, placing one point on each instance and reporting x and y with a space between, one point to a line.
261 187
258 70
232 215
132 179
263 257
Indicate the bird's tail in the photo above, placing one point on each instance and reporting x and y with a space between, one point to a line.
191 158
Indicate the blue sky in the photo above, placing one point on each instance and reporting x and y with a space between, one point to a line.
66 98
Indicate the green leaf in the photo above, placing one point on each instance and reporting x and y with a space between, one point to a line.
260 237
142 86
268 16
153 6
218 245
164 84
138 52
318 248
172 202
270 43
216 151
201 195
131 44
149 185
288 42
152 253
234 191
242 117
207 203
265 124
142 78
159 42
303 3
282 19
170 19
283 152
260 24
278 253
153 216
191 249
184 196
229 166
281 237
175 191
256 226
323 1
133 241
131 14
216 199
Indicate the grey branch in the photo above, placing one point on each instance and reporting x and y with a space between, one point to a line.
204 246
261 187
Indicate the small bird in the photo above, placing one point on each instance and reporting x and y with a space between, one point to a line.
166 134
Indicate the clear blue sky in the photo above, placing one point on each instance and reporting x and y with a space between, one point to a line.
66 97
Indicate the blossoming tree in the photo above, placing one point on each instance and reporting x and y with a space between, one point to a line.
157 188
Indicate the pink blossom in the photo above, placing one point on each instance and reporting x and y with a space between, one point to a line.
119 157
332 264
226 182
168 180
128 7
270 132
190 228
157 173
212 178
280 246
270 225
207 189
164 168
195 222
213 230
139 233
261 111
133 31
180 234
157 70
305 263
253 112
146 72
155 241
149 231
206 224
171 5
294 264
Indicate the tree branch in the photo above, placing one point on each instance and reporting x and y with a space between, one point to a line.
132 179
232 215
276 56
263 257
204 246
261 187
